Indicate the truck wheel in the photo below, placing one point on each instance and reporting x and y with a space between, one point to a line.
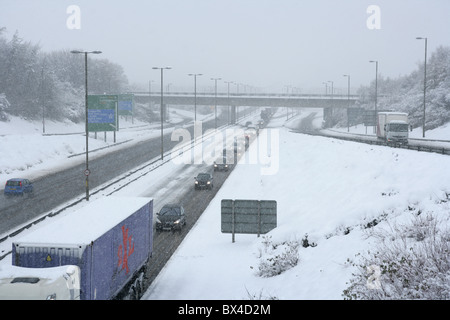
135 291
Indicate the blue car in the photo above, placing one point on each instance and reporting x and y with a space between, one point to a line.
18 187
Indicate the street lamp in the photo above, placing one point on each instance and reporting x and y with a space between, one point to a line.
424 83
162 118
376 92
326 87
332 93
195 92
348 101
43 100
229 105
215 100
86 171
332 90
150 94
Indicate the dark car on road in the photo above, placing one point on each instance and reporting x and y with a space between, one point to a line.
221 165
203 181
18 187
170 217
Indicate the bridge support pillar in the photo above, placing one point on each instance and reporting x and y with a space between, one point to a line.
233 115
328 117
163 110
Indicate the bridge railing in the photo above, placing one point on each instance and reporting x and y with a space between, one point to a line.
252 95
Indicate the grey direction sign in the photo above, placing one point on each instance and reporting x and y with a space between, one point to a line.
248 216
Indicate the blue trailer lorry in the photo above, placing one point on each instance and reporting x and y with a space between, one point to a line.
100 251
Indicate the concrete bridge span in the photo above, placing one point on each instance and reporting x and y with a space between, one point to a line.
326 102
250 100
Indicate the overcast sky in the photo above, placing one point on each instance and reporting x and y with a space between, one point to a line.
264 44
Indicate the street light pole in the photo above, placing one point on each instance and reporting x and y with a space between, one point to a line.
326 88
86 172
162 118
424 83
150 95
348 101
215 100
229 105
195 93
376 93
332 93
42 99
237 108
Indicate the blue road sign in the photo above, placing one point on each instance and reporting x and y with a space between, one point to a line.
101 116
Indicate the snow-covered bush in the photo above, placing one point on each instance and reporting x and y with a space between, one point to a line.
275 258
412 261
260 296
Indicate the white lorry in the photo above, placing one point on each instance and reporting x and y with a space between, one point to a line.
99 252
393 127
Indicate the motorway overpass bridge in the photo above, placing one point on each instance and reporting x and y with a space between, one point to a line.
327 102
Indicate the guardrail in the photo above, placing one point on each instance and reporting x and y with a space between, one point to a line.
375 141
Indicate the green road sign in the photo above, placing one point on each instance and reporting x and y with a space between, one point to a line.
102 113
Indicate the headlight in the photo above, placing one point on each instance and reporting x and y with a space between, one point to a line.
215 164
177 221
208 182
196 182
51 297
158 221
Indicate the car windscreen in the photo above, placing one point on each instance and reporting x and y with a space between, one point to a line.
398 127
13 183
203 177
170 211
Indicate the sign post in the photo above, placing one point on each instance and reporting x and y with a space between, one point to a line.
102 113
353 115
248 216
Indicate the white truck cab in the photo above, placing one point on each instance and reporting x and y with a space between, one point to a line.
393 127
58 283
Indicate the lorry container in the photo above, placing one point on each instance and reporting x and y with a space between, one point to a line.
392 127
110 240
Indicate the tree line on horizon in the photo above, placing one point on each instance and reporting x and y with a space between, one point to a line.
405 93
34 83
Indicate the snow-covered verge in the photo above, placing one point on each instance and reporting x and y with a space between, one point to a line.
334 200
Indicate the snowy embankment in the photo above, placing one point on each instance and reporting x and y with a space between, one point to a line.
329 192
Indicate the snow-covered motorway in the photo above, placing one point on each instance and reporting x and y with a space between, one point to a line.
173 183
60 186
